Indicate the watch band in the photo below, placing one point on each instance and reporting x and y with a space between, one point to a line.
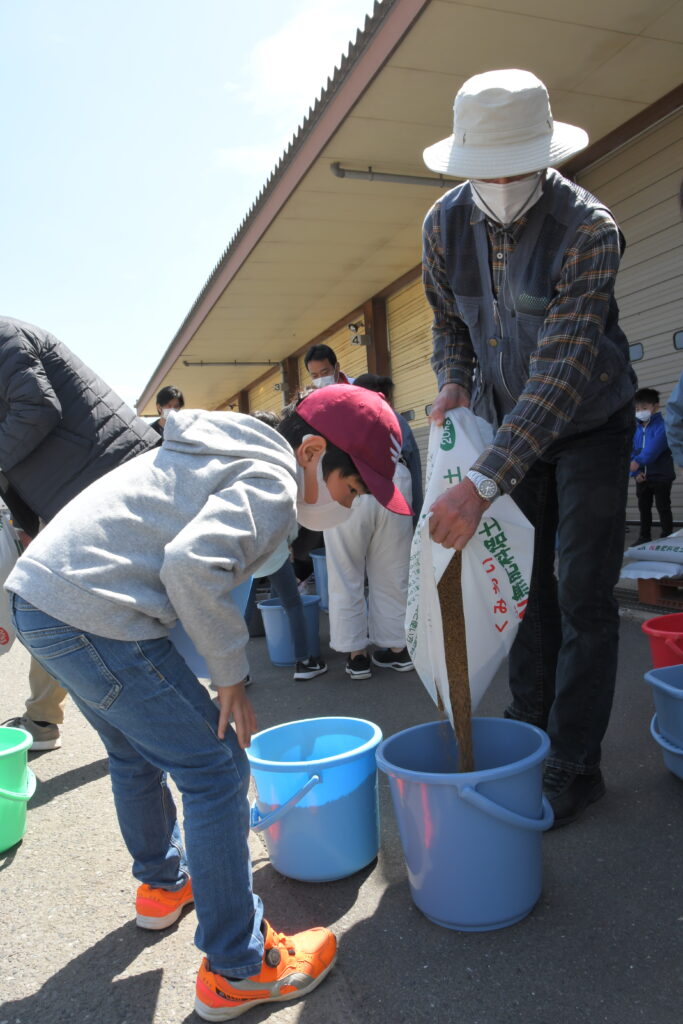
487 489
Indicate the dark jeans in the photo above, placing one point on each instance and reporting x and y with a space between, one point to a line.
305 542
284 583
660 490
564 660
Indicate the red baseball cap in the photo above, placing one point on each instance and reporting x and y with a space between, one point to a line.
362 424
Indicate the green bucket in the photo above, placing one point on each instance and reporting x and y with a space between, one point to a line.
17 784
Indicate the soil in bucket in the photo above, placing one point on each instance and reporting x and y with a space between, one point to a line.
455 647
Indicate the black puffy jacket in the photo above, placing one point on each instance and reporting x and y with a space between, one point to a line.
61 426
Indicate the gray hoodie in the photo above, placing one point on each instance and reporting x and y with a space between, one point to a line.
168 535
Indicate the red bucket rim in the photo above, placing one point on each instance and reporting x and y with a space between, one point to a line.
665 623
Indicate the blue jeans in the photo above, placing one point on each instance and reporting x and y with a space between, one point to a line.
286 588
563 662
154 718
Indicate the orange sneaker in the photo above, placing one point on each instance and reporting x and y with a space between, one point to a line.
159 908
292 966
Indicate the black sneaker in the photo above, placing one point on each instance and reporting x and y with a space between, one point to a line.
310 668
358 667
570 794
386 658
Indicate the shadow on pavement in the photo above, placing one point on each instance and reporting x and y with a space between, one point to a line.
86 989
48 789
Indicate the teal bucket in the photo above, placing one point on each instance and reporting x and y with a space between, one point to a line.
471 840
671 752
317 807
319 559
17 784
279 638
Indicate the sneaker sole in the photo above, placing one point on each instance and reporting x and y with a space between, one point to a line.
365 674
230 1012
157 924
397 666
310 675
46 744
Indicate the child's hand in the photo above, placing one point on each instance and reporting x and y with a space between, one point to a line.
234 703
641 478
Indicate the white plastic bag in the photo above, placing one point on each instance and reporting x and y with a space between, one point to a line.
666 549
496 568
10 549
651 570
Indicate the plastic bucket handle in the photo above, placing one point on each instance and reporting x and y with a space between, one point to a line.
664 743
261 822
482 803
21 797
674 646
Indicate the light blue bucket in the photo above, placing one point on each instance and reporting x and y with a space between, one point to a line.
471 840
319 559
279 638
667 691
316 782
671 752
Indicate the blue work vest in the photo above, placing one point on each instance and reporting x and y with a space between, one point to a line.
505 333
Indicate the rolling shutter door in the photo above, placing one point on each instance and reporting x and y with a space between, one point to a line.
409 326
262 397
640 183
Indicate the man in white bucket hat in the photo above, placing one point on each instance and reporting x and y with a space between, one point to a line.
519 266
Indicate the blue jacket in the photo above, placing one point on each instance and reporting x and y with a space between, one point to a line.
651 450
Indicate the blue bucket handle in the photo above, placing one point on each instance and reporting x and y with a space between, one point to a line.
482 803
261 822
663 742
21 797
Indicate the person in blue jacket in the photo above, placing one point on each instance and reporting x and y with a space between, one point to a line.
652 465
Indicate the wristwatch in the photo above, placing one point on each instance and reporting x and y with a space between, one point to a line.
487 489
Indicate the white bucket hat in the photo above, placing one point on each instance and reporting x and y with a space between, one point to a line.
502 126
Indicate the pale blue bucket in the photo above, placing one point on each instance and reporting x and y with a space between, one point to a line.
671 752
316 783
279 638
319 559
471 840
667 692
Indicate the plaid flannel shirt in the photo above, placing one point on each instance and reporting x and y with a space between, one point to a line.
561 366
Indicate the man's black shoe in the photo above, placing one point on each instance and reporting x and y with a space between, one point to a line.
570 794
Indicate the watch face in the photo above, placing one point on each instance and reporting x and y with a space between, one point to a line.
488 489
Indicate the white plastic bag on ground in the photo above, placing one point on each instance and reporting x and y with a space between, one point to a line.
496 568
10 549
666 549
651 570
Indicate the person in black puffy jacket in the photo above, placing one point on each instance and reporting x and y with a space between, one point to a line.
61 428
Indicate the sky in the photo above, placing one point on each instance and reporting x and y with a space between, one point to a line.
136 134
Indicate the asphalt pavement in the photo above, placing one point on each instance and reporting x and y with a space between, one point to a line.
602 946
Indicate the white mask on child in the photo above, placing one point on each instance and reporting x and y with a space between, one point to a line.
326 513
643 415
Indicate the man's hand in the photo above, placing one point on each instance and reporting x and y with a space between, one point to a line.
233 702
455 516
451 396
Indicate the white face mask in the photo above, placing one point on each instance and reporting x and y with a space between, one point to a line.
506 203
326 513
643 415
322 382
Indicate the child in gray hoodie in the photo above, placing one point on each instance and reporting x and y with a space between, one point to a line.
167 536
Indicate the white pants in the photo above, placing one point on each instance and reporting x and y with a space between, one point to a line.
378 541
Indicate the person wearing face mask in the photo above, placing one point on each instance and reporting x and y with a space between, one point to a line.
652 465
323 366
168 400
519 266
168 536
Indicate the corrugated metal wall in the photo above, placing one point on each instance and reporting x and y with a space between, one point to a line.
409 326
640 183
263 398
